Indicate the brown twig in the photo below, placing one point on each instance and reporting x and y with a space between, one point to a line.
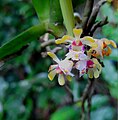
89 107
47 43
89 101
55 50
87 13
85 96
98 24
70 93
94 14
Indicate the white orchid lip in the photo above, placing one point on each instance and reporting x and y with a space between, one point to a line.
76 55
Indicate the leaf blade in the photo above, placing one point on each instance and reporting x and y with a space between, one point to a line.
21 40
55 12
42 8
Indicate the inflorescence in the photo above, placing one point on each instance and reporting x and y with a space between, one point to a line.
84 54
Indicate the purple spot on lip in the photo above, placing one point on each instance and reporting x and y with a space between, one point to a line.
70 47
83 48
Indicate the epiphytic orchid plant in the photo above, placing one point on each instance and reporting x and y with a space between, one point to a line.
85 53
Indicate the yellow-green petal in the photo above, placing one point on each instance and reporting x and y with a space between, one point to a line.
90 73
63 40
95 61
52 67
108 42
69 78
96 73
53 56
113 43
97 64
89 41
61 79
52 74
99 67
88 38
77 32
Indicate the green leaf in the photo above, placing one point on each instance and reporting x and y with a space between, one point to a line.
109 73
3 88
111 77
57 30
104 113
114 91
111 32
17 43
55 12
65 113
108 11
48 11
28 109
99 101
42 8
44 98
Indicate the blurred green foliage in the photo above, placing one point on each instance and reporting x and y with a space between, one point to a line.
25 91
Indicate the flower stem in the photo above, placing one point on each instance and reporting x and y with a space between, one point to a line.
67 12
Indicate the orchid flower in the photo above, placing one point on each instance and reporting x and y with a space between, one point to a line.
63 67
80 59
103 49
77 43
93 68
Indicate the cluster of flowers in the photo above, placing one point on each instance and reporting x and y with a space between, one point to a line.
84 55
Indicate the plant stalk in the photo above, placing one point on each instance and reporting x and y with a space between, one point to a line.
68 16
